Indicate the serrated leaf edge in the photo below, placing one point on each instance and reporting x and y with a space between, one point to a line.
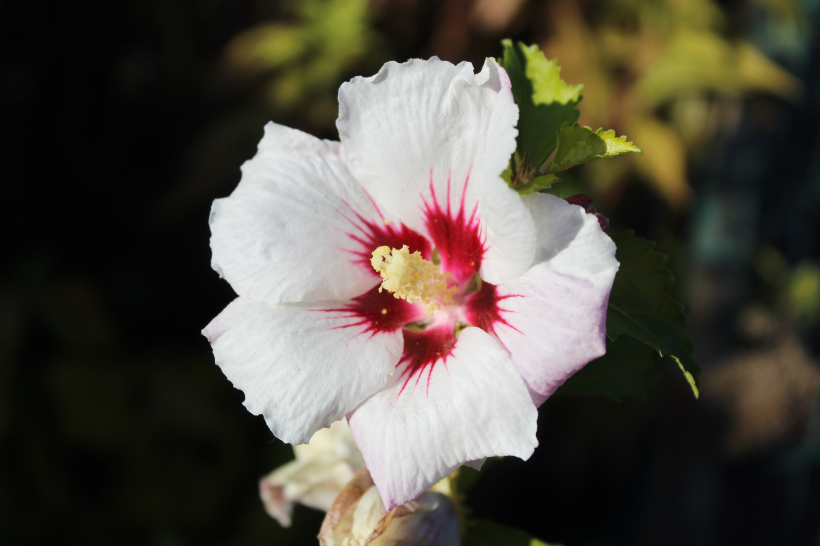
668 280
606 135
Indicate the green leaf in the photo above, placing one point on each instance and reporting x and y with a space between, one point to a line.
577 145
639 307
482 532
538 183
627 369
544 101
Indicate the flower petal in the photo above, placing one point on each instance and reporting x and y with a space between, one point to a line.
304 366
510 234
314 482
299 227
552 319
473 405
429 140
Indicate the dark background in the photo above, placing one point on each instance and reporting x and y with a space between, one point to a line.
122 121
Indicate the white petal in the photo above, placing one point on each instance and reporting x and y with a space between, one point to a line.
510 234
299 227
554 315
428 135
300 366
474 405
320 482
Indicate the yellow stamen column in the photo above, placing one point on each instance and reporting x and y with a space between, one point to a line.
411 277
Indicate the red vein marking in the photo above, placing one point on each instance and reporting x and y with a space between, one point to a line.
456 236
378 312
483 311
373 235
423 350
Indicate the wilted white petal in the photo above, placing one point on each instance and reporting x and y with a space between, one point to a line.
314 483
323 467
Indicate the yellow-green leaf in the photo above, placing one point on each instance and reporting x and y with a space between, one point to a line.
578 144
544 100
538 183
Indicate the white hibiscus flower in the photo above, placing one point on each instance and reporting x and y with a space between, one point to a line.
312 338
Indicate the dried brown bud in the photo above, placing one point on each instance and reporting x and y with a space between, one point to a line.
358 518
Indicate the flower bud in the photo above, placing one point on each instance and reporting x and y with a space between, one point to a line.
358 518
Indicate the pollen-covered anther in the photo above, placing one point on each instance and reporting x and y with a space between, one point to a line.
412 278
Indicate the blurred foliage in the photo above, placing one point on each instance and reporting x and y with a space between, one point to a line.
804 293
660 71
303 60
